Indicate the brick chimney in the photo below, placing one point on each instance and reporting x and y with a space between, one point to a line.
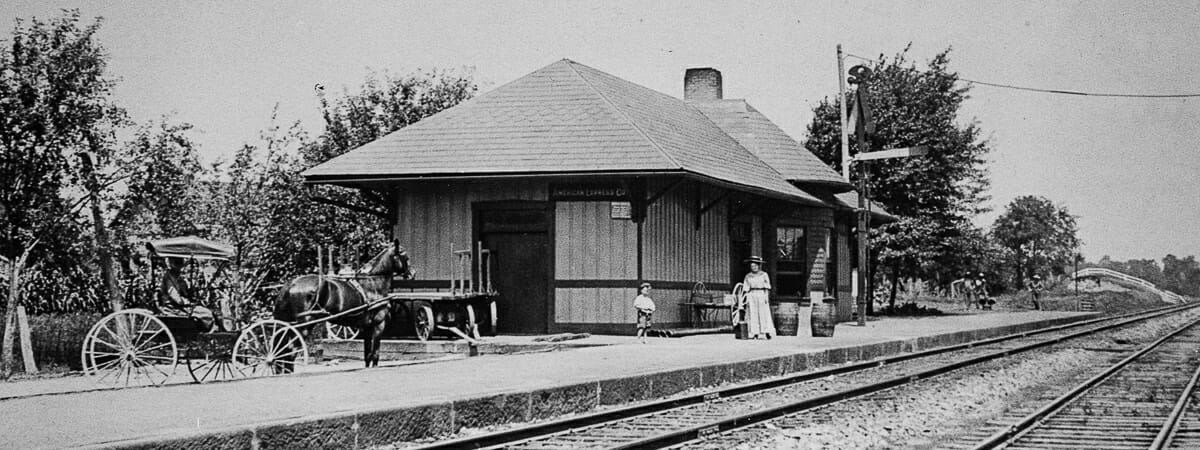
702 84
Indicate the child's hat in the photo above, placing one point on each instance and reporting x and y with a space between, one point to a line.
644 285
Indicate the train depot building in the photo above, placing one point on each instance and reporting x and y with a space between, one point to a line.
583 185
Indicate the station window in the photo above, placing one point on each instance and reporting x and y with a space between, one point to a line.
791 277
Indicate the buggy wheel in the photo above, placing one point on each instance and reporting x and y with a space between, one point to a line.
472 328
423 322
340 332
209 367
129 348
270 347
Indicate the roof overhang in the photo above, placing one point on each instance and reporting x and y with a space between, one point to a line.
836 187
386 182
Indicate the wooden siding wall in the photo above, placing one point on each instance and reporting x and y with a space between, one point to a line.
845 296
591 245
434 215
596 305
674 250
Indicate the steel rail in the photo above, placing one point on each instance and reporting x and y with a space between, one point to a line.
1167 432
707 430
517 435
1030 421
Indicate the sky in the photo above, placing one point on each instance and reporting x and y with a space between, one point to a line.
1126 167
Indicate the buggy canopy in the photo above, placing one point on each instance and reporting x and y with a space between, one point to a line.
190 247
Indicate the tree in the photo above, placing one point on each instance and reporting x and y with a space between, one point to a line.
380 107
256 203
936 195
56 129
1181 276
160 168
1146 269
1039 235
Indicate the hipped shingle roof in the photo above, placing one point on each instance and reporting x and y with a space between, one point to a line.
767 141
561 119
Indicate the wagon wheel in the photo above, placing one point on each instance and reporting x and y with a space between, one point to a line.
739 296
340 332
423 322
472 328
270 347
129 348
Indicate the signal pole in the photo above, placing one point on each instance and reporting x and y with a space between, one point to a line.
860 76
842 117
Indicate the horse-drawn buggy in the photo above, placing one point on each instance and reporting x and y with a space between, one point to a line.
143 346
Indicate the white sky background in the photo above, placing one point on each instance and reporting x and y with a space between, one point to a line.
1126 167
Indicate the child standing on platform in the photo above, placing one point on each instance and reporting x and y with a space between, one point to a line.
645 310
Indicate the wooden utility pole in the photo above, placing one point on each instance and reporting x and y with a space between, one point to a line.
841 58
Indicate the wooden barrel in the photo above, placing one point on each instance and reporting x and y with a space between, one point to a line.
786 316
824 317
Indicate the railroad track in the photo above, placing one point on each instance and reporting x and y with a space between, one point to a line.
1145 400
697 417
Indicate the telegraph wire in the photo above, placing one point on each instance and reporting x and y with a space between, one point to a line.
1056 91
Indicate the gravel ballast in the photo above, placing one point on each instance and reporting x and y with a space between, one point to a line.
949 408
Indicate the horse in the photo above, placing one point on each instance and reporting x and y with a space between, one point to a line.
321 296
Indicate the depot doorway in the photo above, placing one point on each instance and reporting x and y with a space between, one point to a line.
518 235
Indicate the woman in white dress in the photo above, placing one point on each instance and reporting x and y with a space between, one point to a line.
758 314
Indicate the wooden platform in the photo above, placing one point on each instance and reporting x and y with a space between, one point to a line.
409 350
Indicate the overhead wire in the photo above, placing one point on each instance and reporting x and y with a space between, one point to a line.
1057 91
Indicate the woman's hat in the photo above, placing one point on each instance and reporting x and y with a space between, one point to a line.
644 285
754 259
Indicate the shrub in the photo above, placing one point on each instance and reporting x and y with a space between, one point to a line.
908 309
58 339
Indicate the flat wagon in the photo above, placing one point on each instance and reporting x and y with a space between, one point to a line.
465 308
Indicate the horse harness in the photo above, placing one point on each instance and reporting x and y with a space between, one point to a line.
312 308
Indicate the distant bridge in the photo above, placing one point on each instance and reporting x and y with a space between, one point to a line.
1169 297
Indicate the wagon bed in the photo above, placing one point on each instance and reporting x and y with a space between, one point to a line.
434 296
